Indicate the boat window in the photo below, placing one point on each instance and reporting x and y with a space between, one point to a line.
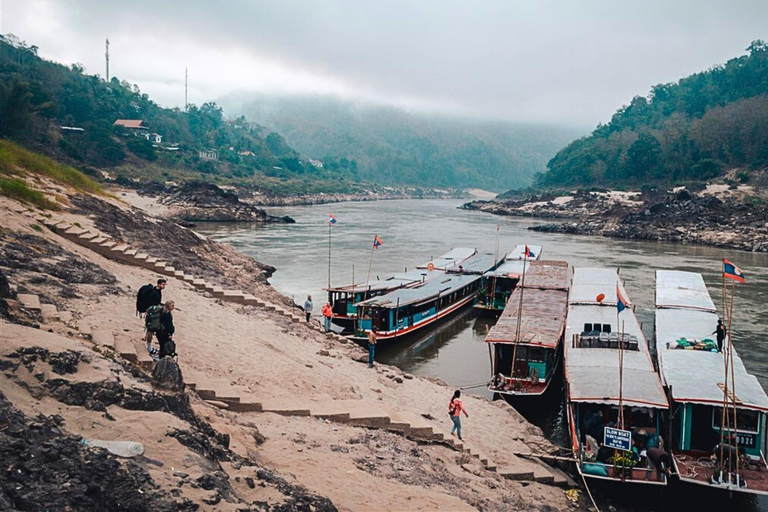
587 327
607 328
746 420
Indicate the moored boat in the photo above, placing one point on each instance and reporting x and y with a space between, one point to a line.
614 395
407 310
526 342
343 299
693 370
499 283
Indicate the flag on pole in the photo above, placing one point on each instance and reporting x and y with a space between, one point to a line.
376 242
331 219
528 252
621 302
731 271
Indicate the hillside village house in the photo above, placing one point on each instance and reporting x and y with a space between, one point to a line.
132 125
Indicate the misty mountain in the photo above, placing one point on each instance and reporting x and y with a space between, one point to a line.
695 129
391 146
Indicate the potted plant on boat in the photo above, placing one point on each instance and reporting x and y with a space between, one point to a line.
623 463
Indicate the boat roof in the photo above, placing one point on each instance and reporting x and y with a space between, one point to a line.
542 320
589 283
510 268
449 283
518 253
678 289
695 376
451 259
476 264
547 275
396 281
593 373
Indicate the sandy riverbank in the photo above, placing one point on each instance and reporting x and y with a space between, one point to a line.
269 460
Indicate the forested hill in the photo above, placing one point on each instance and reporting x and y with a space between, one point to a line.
392 146
68 114
695 129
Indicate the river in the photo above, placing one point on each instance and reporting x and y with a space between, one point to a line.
413 231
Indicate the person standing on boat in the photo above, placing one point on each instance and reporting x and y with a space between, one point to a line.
720 331
327 315
308 307
455 408
371 346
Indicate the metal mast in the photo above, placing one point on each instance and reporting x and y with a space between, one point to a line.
107 56
186 77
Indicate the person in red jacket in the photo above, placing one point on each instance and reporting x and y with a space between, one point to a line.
327 315
454 410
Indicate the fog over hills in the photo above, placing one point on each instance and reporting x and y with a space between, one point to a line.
393 146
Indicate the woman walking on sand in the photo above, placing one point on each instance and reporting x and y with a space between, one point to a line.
454 410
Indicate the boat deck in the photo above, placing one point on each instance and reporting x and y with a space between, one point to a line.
698 467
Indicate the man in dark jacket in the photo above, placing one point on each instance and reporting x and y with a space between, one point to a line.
154 298
721 332
165 334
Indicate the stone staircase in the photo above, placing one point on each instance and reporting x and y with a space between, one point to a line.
220 393
118 251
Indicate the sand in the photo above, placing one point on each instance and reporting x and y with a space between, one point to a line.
269 357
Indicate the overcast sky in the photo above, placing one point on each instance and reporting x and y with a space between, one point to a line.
570 62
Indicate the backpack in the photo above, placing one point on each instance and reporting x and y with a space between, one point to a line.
153 322
453 407
143 298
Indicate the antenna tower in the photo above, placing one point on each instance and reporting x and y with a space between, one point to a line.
186 76
107 56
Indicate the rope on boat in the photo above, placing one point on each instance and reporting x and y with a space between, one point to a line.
470 386
589 493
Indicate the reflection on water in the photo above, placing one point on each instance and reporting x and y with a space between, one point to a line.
415 231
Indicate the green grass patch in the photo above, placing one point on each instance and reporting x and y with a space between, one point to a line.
14 158
37 227
19 190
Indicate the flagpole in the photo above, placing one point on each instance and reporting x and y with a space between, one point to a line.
733 382
330 224
495 265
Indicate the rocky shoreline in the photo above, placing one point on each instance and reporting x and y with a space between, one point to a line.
690 215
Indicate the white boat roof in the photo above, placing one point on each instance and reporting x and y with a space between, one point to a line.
678 289
593 373
413 295
510 268
451 259
589 283
695 376
396 281
478 264
518 253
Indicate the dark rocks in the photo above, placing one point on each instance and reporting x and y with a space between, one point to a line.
46 469
167 375
205 202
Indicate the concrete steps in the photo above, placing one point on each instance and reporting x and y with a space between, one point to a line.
29 301
103 337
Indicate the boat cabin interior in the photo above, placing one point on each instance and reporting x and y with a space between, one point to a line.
532 368
496 292
589 422
696 437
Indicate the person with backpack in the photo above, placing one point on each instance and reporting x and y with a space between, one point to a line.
160 322
150 295
455 408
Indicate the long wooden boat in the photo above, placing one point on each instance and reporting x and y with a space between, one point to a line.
343 299
592 384
407 310
693 372
525 366
499 283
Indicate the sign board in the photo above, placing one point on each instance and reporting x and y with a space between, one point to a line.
617 439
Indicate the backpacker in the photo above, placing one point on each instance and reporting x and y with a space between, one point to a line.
143 298
153 322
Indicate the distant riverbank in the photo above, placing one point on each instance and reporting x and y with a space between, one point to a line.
715 215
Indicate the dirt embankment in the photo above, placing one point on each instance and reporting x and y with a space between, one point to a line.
62 386
680 216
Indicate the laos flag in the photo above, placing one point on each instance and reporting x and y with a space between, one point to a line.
331 219
731 271
528 252
376 242
621 302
